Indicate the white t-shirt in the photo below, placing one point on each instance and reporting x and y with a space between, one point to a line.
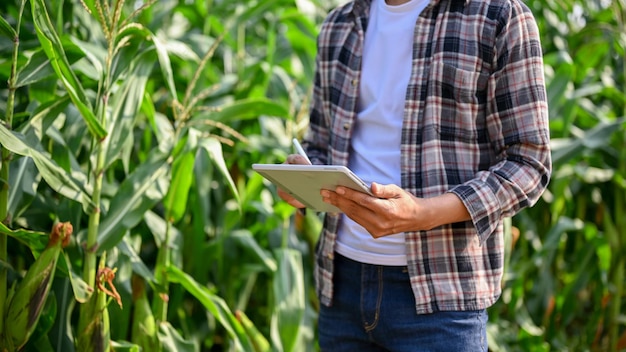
375 148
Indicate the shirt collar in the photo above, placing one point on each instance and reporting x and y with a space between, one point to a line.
361 7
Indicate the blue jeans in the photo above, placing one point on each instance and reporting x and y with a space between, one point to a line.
374 310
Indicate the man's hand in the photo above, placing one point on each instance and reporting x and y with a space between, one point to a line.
393 210
292 159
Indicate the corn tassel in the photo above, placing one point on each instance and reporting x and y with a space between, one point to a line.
26 302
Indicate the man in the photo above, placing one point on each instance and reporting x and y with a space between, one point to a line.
441 105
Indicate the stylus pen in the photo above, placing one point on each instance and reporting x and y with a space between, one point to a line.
300 150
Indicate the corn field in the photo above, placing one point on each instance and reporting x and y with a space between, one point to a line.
132 220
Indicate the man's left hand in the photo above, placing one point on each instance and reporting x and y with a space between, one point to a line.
392 210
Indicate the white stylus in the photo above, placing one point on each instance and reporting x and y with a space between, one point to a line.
300 150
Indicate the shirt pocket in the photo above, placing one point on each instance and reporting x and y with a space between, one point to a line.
458 100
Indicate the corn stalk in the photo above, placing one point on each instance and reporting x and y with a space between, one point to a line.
96 335
96 119
5 156
95 311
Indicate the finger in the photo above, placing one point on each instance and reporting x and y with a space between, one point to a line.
296 159
386 191
352 203
357 197
289 199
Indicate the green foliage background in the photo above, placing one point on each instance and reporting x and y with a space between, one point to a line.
138 122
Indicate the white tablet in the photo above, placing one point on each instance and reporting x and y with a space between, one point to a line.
304 182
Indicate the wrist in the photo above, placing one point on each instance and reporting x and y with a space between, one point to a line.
443 210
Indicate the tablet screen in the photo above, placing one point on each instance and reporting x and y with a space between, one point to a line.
304 182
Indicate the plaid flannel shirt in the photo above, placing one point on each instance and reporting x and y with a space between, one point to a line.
475 124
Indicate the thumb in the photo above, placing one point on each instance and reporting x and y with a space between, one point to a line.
385 191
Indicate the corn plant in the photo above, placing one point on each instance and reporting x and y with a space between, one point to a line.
105 139
565 287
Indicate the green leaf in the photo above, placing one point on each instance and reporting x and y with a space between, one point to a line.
44 116
171 341
23 181
252 248
82 291
55 176
214 148
560 84
215 305
123 346
139 192
289 295
158 227
6 29
256 337
166 66
96 56
34 240
51 44
136 262
175 201
36 69
125 105
184 152
600 135
245 109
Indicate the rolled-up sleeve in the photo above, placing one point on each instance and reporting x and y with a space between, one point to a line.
518 127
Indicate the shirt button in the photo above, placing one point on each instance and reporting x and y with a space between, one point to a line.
346 126
354 82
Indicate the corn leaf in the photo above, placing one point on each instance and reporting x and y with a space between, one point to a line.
36 69
245 109
136 29
55 176
166 66
171 341
6 29
214 148
139 267
258 340
215 305
253 250
144 327
44 116
82 291
565 149
125 105
158 227
34 240
122 346
51 44
289 295
23 181
175 201
139 192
